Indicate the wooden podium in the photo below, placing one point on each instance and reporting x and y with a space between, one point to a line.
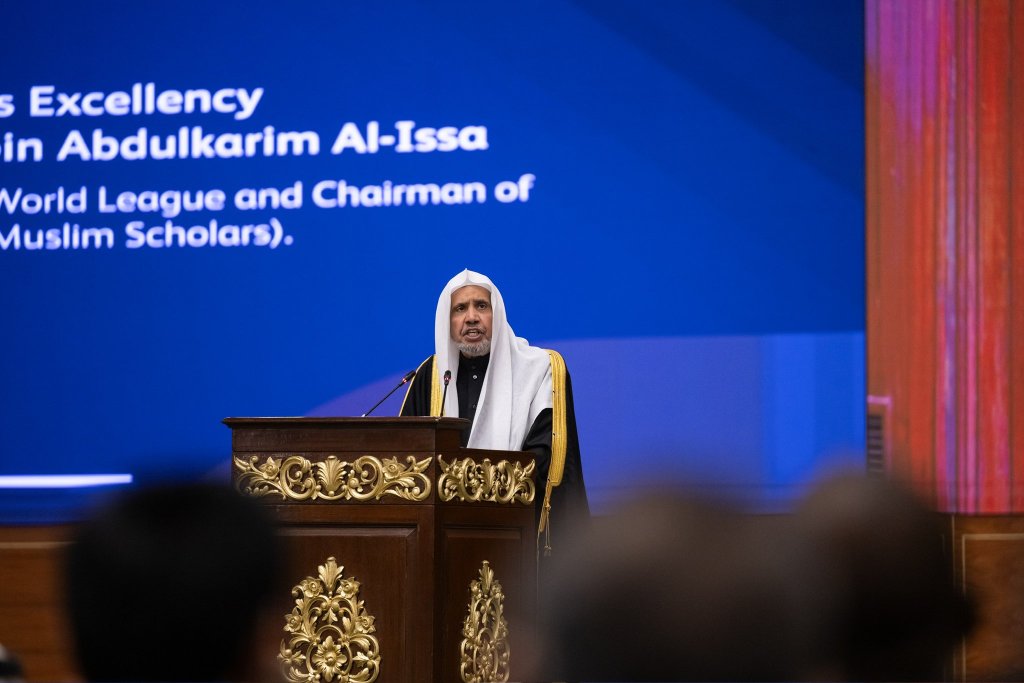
409 557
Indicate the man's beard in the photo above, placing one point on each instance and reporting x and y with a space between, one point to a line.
481 348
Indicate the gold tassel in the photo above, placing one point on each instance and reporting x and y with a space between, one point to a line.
545 520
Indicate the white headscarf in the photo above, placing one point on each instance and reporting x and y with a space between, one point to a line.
517 386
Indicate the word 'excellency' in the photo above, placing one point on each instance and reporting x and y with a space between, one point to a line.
141 98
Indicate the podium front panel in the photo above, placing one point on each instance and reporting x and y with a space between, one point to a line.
361 500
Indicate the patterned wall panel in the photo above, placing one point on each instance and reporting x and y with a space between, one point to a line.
945 245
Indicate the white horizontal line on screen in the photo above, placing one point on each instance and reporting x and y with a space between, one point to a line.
61 481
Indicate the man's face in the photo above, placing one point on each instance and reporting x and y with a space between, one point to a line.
471 315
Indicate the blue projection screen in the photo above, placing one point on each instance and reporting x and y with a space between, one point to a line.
221 209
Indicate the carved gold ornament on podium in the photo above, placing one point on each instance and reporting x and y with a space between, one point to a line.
485 652
297 478
329 632
470 481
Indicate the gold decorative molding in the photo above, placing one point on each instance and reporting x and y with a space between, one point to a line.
485 651
501 482
329 632
297 478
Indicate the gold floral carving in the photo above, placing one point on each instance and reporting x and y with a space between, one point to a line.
501 482
485 652
297 478
329 633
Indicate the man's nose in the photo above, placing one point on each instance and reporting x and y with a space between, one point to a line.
473 316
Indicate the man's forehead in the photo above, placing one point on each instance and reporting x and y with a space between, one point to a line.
470 293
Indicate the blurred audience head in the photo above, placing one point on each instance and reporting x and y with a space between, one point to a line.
171 584
10 667
674 588
854 586
898 611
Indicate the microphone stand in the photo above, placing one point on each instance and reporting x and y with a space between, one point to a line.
405 380
447 378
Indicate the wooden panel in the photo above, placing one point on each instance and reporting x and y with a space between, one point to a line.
918 177
901 262
394 583
401 566
993 51
390 549
945 264
469 535
945 100
340 434
961 251
945 245
32 625
989 556
1015 340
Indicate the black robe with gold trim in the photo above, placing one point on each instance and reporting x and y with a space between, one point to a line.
568 500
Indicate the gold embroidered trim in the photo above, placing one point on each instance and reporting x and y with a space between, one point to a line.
435 391
559 437
297 478
559 443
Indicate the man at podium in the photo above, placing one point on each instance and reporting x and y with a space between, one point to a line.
516 396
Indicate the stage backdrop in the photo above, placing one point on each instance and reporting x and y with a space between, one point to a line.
222 209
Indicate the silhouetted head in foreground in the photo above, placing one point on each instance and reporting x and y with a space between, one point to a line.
10 667
898 612
171 584
854 586
675 589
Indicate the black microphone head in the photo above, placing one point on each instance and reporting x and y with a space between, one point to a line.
447 377
408 376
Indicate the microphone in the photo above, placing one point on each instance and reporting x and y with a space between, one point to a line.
447 378
405 380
